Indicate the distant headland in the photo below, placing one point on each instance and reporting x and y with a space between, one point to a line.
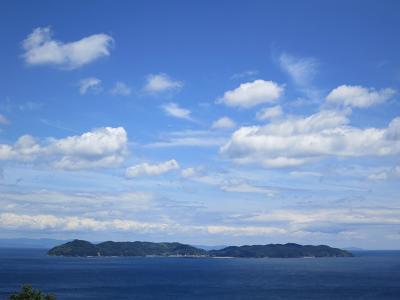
290 250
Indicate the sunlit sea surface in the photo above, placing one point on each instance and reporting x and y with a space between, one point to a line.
369 275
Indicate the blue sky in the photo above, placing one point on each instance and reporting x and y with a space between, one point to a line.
202 122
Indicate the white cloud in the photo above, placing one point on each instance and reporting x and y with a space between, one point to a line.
245 230
43 201
223 123
378 176
75 223
305 174
41 49
358 96
285 222
301 70
397 171
303 218
193 172
152 170
188 172
250 94
78 223
89 84
237 187
174 110
161 82
269 113
100 148
121 89
385 173
297 140
4 120
190 138
24 149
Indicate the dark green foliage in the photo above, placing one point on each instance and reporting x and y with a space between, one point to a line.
28 293
84 248
75 248
146 248
289 250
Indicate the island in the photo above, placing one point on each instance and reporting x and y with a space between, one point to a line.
290 250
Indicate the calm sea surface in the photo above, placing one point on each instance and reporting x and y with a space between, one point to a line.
370 275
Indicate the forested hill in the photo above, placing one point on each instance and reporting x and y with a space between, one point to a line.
290 250
84 248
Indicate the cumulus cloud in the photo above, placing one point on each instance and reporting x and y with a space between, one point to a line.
161 82
100 148
269 113
250 94
4 120
121 89
359 96
301 70
25 149
89 84
152 170
296 140
223 123
174 110
41 49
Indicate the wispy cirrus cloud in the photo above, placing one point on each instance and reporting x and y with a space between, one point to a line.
4 120
90 84
223 123
301 70
173 109
245 74
190 138
121 89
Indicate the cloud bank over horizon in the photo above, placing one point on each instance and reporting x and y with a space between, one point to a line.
246 133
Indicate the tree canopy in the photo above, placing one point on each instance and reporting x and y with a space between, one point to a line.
29 293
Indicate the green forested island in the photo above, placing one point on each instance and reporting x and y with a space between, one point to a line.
290 250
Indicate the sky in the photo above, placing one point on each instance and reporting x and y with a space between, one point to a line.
203 122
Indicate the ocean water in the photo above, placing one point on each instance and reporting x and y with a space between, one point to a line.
369 275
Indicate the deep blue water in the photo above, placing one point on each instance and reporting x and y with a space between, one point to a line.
370 275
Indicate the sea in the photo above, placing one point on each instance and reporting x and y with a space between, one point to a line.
368 275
